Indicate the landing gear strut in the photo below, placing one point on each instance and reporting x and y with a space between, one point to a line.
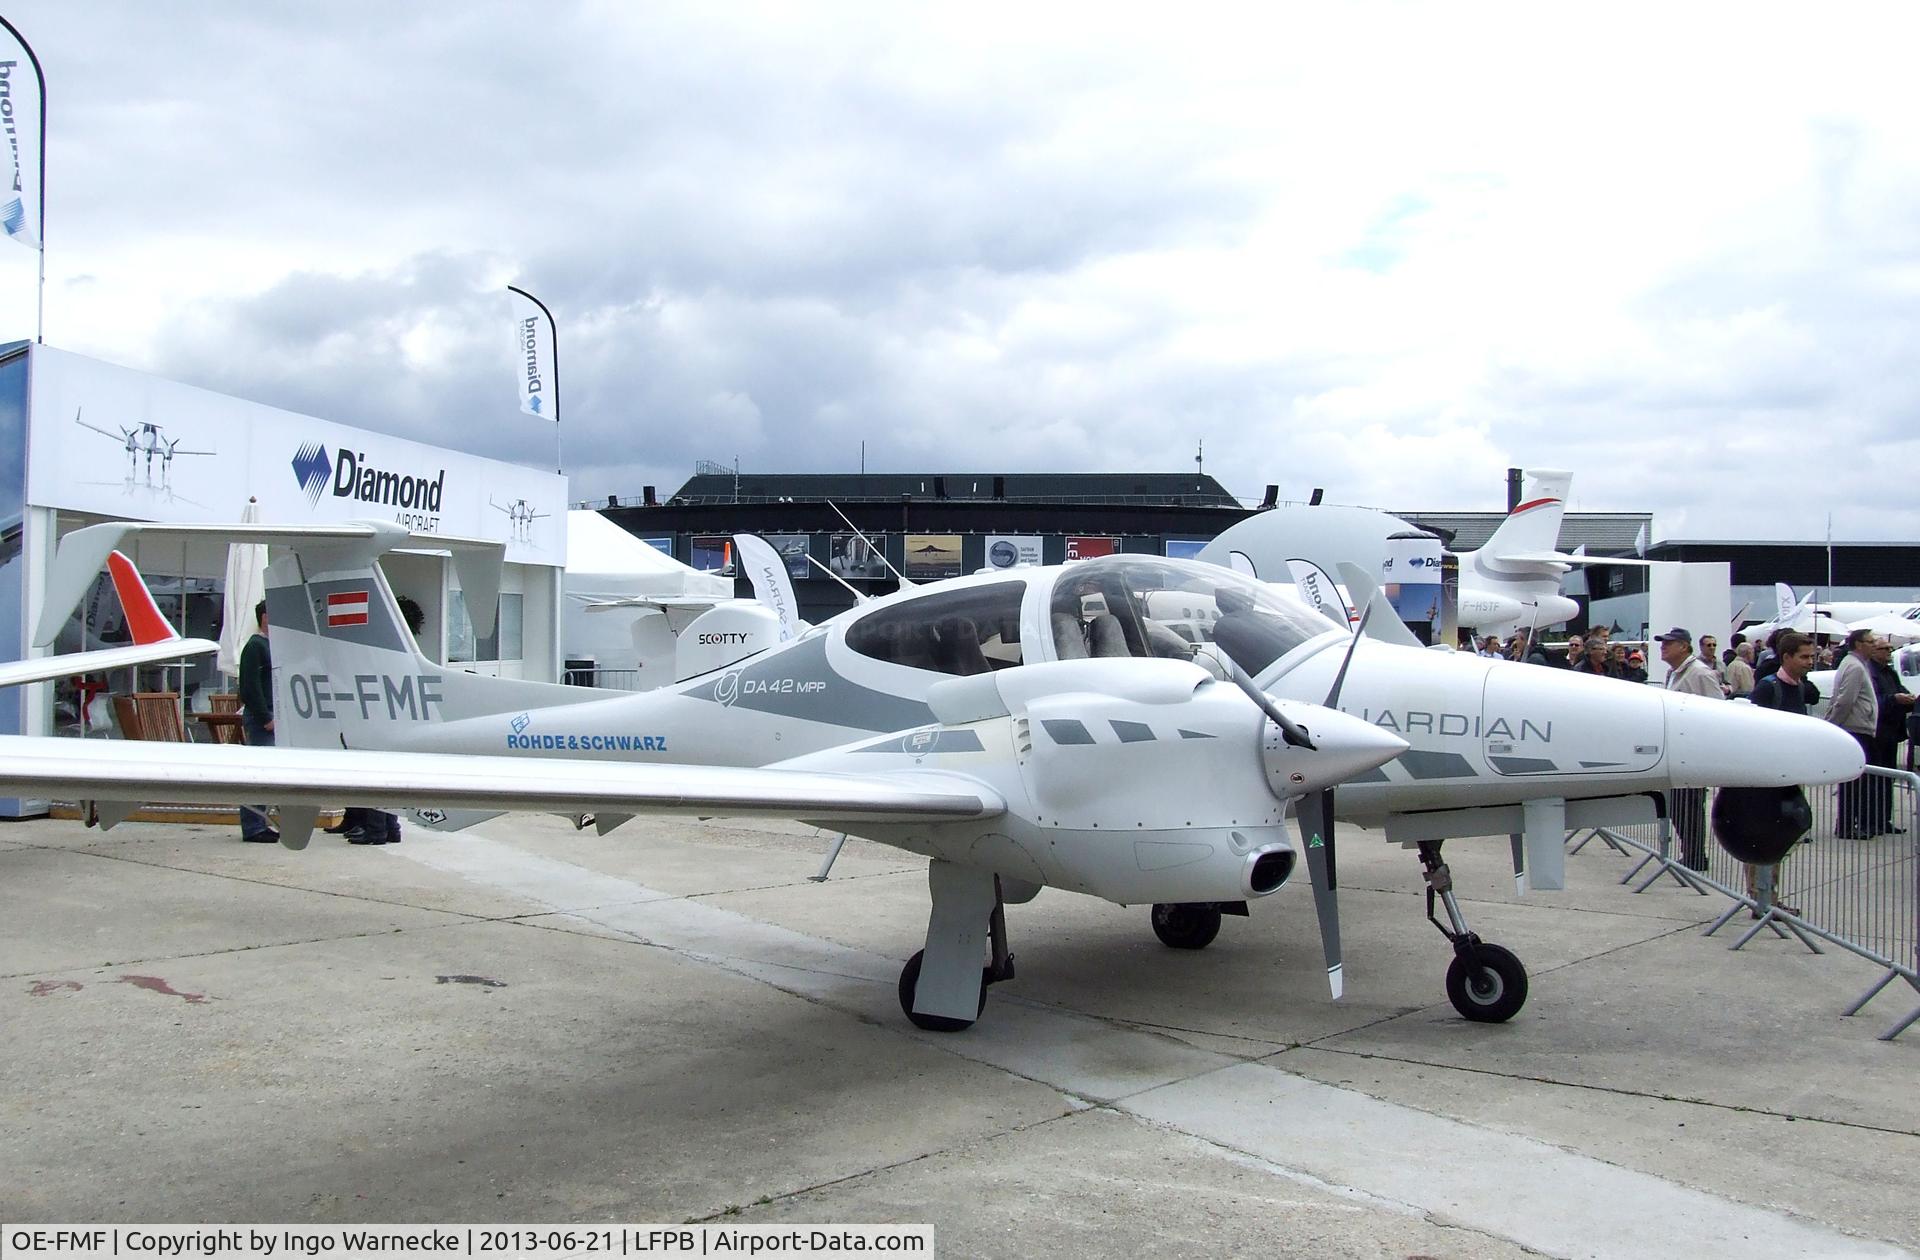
998 968
1485 983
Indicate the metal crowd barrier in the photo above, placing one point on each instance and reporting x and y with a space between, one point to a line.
1857 891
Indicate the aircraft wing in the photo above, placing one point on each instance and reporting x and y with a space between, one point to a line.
317 778
13 673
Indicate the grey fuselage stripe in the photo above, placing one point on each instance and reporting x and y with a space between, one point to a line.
1524 765
1420 764
942 741
798 682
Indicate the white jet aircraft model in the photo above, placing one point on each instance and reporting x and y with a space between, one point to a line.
1512 582
1039 727
1804 613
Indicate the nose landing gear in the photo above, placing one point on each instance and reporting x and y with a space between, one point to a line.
953 932
1485 982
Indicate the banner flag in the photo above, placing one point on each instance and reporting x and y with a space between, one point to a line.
767 570
20 107
533 358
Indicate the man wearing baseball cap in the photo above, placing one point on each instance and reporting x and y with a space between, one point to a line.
1688 806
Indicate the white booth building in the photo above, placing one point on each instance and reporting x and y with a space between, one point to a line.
83 441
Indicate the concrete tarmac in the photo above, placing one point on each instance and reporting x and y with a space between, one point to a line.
528 1023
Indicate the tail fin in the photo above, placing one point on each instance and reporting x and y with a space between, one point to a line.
1534 525
154 638
347 672
145 621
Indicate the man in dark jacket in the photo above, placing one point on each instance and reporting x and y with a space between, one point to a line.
1788 690
1895 704
1595 661
256 716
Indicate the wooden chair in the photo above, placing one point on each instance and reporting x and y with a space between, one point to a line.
226 702
150 715
126 717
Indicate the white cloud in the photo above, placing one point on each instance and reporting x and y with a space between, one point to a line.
1378 249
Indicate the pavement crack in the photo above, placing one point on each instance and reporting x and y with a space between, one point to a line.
1612 1090
766 1200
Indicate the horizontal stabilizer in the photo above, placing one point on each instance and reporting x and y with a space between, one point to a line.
1558 557
81 554
655 603
226 774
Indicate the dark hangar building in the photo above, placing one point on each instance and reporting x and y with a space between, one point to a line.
930 525
933 525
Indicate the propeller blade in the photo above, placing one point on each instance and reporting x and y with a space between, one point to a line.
1289 728
1314 815
1340 677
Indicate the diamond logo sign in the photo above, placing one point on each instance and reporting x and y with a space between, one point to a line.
312 467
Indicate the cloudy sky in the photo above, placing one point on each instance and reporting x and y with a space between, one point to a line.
1375 251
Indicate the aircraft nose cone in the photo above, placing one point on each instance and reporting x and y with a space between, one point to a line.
1344 748
1719 743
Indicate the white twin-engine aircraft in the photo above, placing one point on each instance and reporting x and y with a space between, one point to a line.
1032 728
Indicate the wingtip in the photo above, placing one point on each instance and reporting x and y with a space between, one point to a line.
1336 982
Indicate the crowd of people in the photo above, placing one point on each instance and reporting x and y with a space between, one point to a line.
1869 701
1735 668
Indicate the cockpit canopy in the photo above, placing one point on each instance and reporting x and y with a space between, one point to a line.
1142 606
1110 607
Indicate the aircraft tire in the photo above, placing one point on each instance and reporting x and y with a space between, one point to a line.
1185 925
1489 986
910 983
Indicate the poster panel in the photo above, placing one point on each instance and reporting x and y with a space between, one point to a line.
932 556
713 553
1410 578
662 545
1085 547
794 549
1184 548
1005 551
851 556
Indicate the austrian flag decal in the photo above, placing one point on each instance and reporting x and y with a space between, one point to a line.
347 608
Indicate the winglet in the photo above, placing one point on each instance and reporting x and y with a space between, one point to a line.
145 621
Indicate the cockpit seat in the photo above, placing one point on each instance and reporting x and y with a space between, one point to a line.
958 651
1069 640
1107 637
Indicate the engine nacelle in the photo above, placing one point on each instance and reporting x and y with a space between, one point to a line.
1192 864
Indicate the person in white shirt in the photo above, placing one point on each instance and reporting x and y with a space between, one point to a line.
1855 709
1687 807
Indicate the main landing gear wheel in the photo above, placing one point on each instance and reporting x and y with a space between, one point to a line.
1185 925
1487 984
910 982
